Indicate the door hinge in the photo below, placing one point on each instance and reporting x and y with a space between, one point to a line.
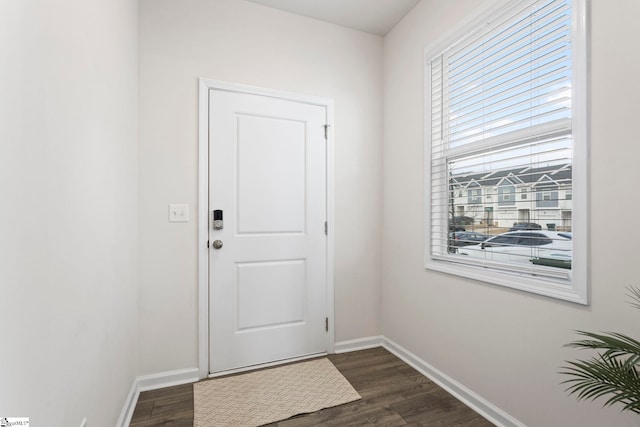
326 131
326 228
326 324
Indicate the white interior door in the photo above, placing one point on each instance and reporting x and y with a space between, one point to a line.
268 281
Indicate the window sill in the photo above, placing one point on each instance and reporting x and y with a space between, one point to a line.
559 289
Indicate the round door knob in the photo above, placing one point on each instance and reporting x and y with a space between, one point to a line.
217 244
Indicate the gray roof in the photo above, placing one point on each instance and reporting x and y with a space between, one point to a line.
561 174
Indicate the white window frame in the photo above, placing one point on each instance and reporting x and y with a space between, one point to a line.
576 287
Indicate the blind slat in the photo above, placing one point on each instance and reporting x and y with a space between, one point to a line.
510 107
505 78
510 42
500 27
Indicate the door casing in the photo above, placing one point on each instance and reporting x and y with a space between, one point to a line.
205 85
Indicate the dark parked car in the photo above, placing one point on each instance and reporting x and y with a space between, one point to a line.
463 220
518 226
459 222
466 238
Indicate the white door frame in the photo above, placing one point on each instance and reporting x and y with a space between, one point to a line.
205 85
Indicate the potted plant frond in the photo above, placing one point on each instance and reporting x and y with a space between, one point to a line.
612 373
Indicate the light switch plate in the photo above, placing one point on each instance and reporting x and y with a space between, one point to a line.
178 213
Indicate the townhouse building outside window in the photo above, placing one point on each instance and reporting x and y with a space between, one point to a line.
506 112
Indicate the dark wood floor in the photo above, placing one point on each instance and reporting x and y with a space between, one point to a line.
393 394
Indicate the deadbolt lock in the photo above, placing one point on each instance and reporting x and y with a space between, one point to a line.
217 220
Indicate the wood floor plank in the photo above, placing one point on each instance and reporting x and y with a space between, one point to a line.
393 394
437 408
142 411
179 390
164 408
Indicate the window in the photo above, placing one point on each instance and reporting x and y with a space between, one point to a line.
507 240
534 239
475 197
505 195
506 105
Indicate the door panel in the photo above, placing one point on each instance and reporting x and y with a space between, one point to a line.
268 284
276 284
271 175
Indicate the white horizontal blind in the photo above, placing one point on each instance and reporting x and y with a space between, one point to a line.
501 131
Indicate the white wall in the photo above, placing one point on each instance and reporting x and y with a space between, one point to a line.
505 345
242 42
68 198
68 209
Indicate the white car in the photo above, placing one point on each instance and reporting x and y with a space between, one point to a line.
524 247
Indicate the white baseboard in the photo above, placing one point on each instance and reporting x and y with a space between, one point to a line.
153 382
462 393
358 344
129 405
483 407
167 379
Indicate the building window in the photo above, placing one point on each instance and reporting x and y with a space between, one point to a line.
547 189
506 195
506 101
474 196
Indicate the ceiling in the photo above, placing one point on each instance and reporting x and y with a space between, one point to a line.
371 16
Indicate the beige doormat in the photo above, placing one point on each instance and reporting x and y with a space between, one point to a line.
270 395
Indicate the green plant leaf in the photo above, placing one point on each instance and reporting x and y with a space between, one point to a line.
634 293
601 376
615 345
613 373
